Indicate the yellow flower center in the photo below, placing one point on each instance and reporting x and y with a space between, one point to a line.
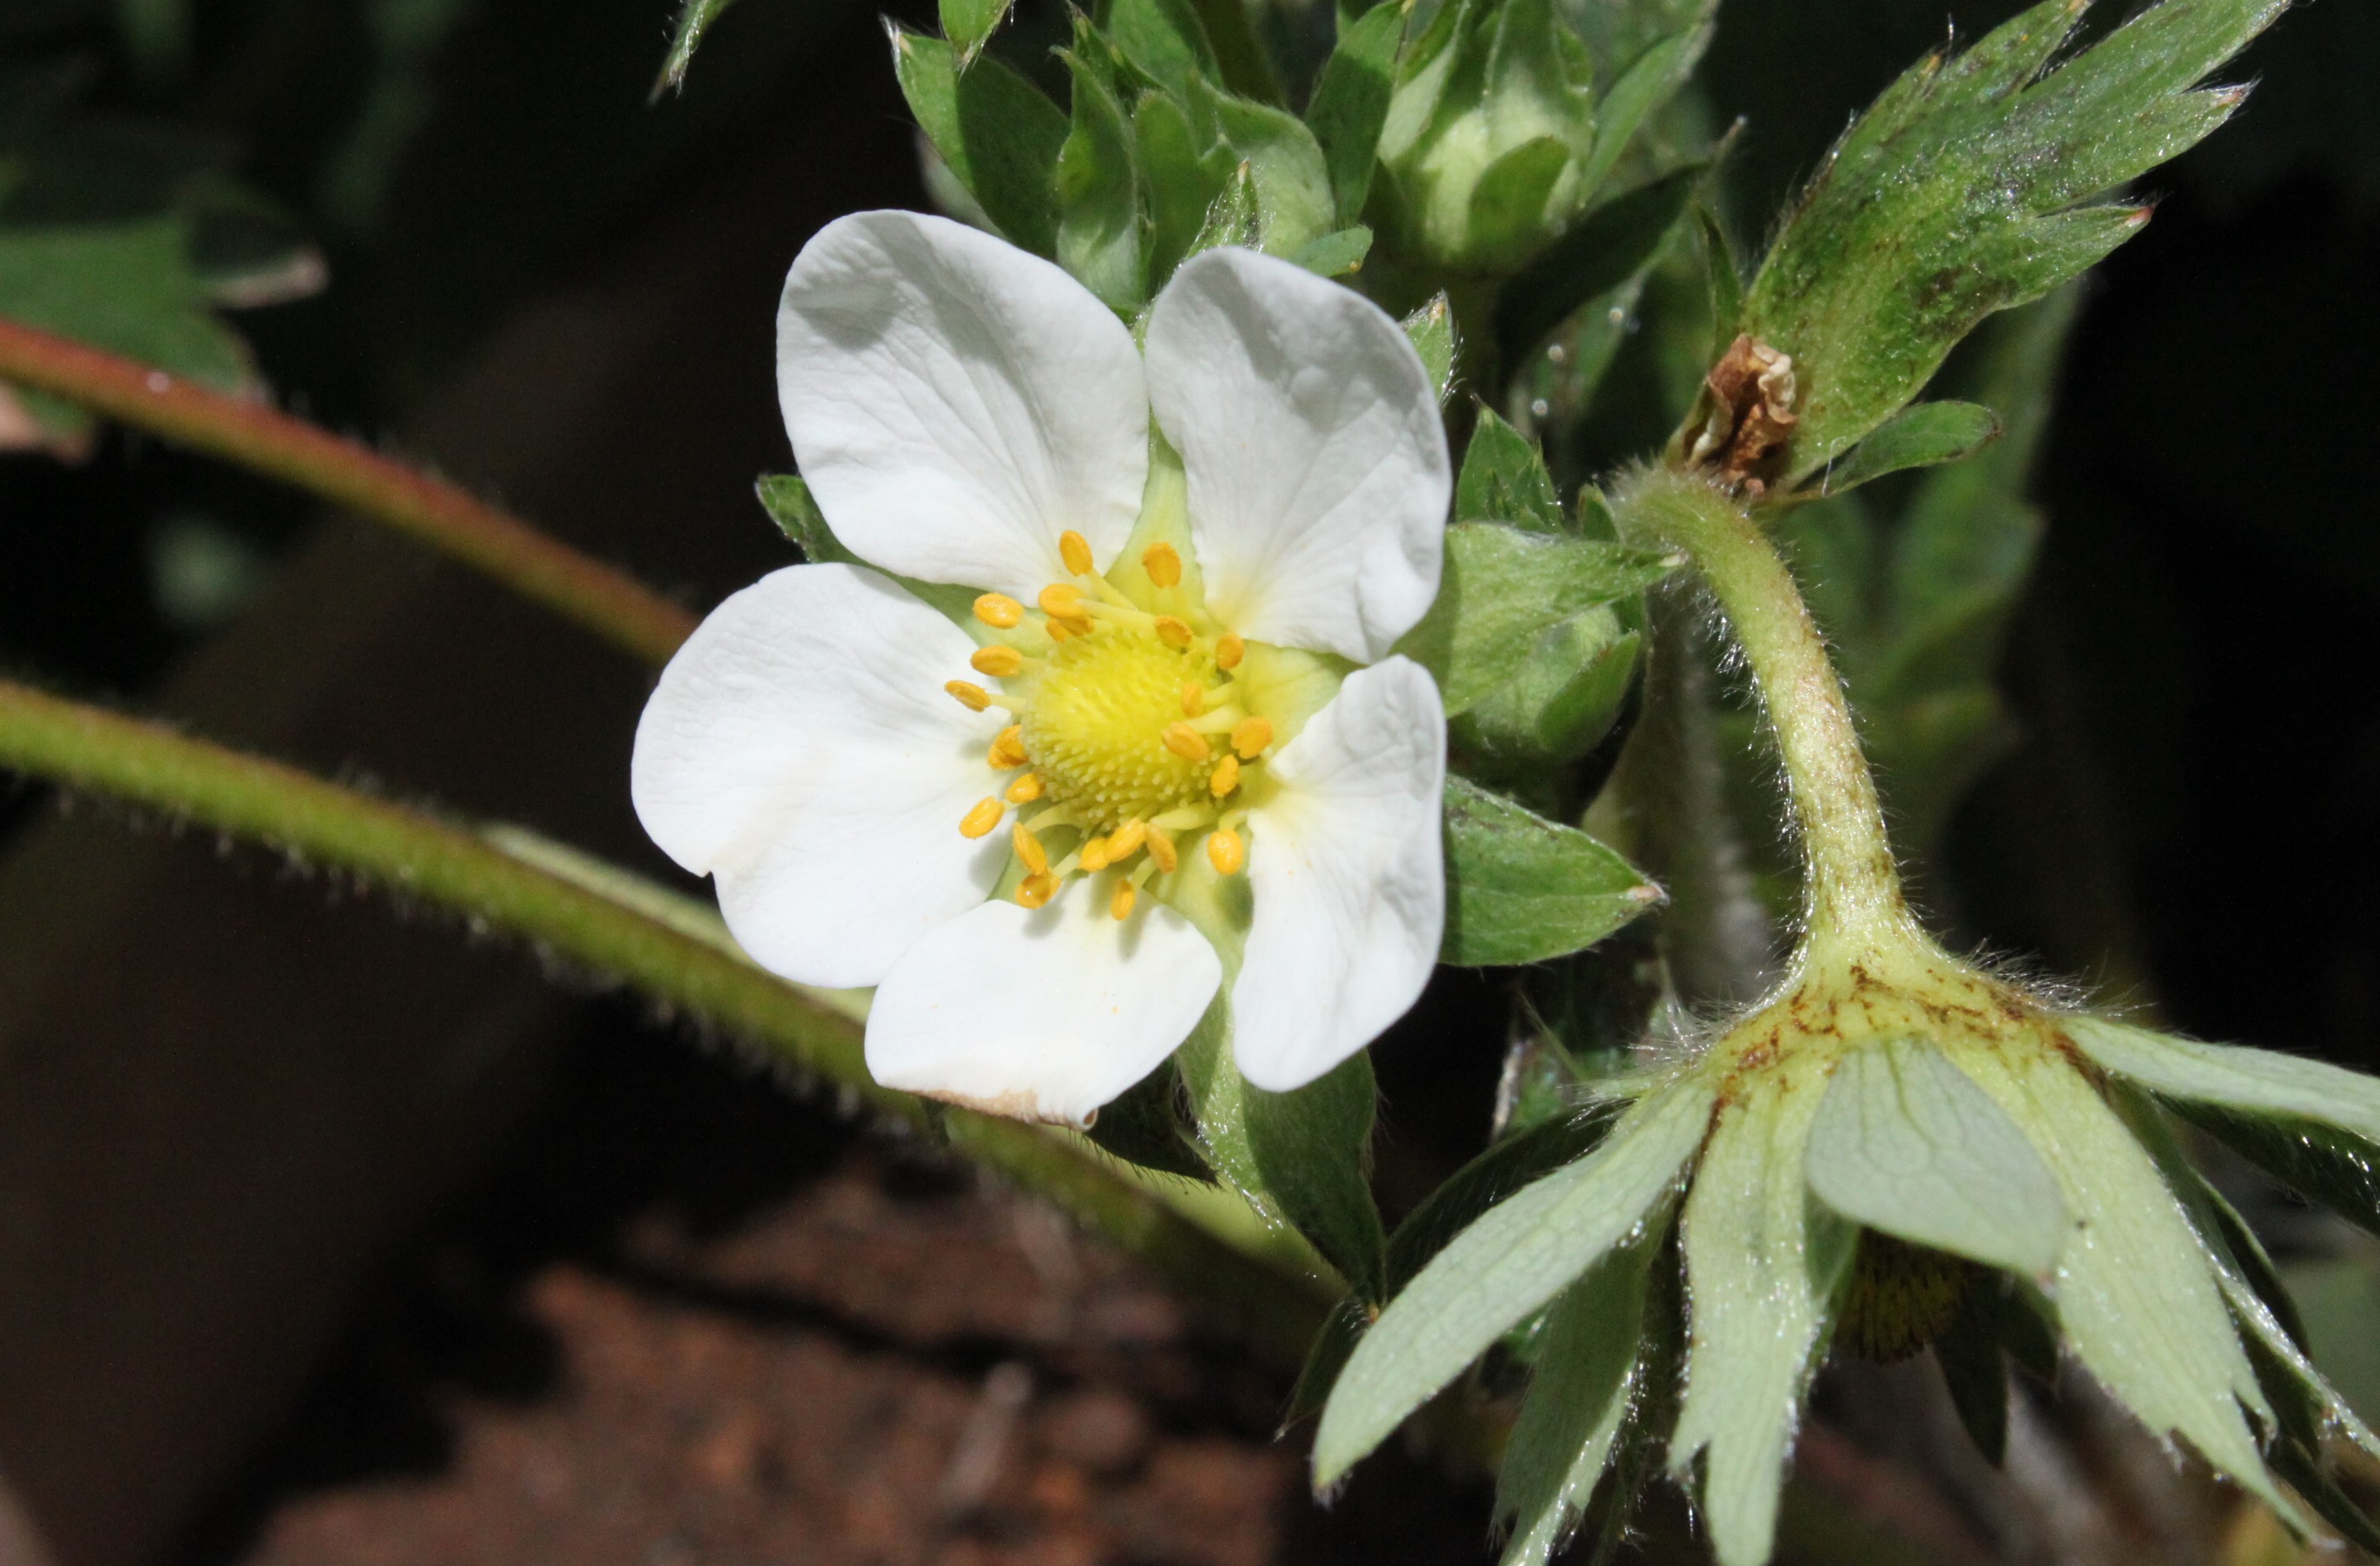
1132 729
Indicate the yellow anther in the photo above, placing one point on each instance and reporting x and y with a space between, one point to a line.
1185 741
1121 903
1061 601
1000 612
1008 750
1161 848
1036 889
1163 565
1230 650
1227 776
1125 840
1250 737
1226 852
1097 855
1173 631
1056 629
986 815
998 662
1025 790
1075 550
1193 698
973 697
1029 849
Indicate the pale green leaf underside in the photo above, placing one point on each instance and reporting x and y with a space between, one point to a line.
2233 1076
1571 1418
1763 1264
1907 1144
1503 1268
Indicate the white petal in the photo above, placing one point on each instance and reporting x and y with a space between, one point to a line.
801 748
1318 466
1346 862
956 402
1042 1016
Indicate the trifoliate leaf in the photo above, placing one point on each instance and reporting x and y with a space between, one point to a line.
1283 160
1432 330
1521 889
1502 588
1505 1268
969 24
998 134
2136 1293
1098 186
1351 102
1504 479
1763 1267
1605 248
1906 1144
1958 193
1921 435
694 20
1577 1401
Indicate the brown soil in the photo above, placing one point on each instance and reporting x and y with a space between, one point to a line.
693 1322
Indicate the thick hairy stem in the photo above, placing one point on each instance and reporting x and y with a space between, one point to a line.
538 567
452 867
1851 892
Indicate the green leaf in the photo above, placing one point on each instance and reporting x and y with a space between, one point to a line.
1182 181
1239 54
1506 1267
1342 1331
1921 435
1336 255
1504 479
1144 1125
694 20
1649 80
1466 1195
998 134
1763 1265
1098 189
1521 889
1164 42
1725 283
126 288
1906 1144
1350 104
969 24
1974 1369
1605 248
1508 220
1431 328
1297 1158
2336 1169
1501 589
786 498
1292 184
2136 1295
1956 195
1577 1403
1570 691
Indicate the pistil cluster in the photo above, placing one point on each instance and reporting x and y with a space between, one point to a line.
1133 728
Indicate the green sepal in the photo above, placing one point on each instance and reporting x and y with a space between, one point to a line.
997 133
969 24
1182 181
786 498
1350 104
1502 590
1284 162
1342 1331
1146 1125
1505 1268
1921 435
1521 889
1723 281
1645 83
1336 255
1235 216
1431 331
1605 248
1956 194
1577 1403
1465 1196
694 20
1974 1370
2332 1168
1097 186
1504 479
1508 221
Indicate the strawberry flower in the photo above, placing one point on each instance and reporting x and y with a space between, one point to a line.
1156 750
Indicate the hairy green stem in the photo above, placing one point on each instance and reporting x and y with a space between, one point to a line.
535 564
1852 896
440 862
